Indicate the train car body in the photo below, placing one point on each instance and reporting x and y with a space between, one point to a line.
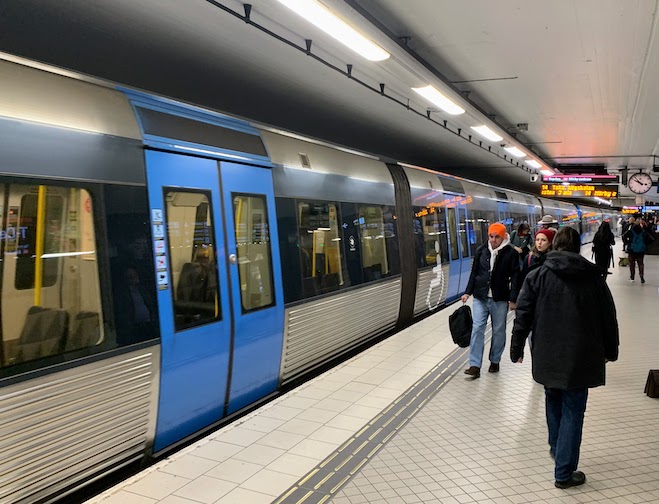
165 267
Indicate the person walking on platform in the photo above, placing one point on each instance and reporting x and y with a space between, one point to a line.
575 332
538 254
603 243
548 222
637 240
521 239
493 283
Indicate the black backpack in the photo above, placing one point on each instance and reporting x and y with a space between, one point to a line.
460 324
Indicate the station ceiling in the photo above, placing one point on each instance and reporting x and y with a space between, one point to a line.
572 82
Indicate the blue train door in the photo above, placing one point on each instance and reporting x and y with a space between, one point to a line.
256 288
193 295
218 279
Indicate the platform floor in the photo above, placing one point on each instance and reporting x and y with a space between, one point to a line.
400 423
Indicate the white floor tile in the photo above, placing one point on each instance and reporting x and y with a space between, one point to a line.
259 454
294 465
157 485
270 482
280 439
262 424
317 415
189 466
298 426
347 422
205 489
240 436
280 412
124 497
313 449
331 435
235 471
244 496
216 450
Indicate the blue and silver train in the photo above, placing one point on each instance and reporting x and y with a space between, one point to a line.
163 268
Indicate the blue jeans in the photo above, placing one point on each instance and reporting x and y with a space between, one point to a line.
498 310
565 413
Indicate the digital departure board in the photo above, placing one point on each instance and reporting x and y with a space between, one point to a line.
577 191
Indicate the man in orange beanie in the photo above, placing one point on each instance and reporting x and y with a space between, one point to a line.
493 283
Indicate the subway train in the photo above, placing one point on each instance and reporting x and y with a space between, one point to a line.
165 267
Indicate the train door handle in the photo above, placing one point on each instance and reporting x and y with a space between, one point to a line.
233 259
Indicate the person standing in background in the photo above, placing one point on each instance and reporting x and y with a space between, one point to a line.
603 243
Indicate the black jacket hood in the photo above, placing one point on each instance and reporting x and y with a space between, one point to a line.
568 264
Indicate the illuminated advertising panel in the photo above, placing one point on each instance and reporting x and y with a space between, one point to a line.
567 190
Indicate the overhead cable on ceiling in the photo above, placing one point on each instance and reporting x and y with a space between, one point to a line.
380 90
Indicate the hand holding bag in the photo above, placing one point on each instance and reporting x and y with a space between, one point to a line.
460 323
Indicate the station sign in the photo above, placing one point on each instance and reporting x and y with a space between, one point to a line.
564 190
628 210
581 179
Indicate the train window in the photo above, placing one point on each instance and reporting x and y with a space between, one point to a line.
430 231
250 215
453 233
463 233
192 256
51 299
132 272
379 244
320 247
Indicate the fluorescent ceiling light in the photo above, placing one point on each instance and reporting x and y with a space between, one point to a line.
487 133
533 163
320 16
515 151
436 98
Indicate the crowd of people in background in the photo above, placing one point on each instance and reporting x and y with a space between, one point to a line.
562 299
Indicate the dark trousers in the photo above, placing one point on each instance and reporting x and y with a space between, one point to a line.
633 259
565 414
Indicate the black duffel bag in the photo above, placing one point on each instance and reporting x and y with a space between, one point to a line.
460 324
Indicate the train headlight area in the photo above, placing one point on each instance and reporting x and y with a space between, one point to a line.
179 266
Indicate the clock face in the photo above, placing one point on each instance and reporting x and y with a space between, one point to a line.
640 183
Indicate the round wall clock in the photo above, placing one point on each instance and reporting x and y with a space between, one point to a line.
639 183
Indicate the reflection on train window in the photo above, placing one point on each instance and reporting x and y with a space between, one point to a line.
250 216
453 233
430 232
379 244
480 220
51 301
193 261
320 247
463 232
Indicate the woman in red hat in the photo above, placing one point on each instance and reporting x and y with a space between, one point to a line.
542 245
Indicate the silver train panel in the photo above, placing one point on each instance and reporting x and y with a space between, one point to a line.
431 289
60 428
316 331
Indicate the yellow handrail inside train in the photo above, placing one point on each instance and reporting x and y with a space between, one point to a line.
40 236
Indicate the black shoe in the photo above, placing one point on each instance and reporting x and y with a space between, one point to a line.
494 368
552 454
473 371
577 478
642 280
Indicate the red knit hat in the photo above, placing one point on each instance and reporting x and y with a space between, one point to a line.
497 228
549 233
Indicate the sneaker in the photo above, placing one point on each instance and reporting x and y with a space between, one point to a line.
577 478
631 278
494 368
642 280
473 371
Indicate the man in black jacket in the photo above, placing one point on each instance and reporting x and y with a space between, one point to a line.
493 283
569 307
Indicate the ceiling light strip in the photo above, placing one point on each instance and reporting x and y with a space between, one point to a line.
431 94
487 133
321 17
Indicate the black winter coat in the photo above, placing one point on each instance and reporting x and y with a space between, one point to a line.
569 308
502 280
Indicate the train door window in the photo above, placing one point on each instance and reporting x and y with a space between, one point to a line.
51 300
453 233
430 227
193 258
379 244
250 215
463 232
320 247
